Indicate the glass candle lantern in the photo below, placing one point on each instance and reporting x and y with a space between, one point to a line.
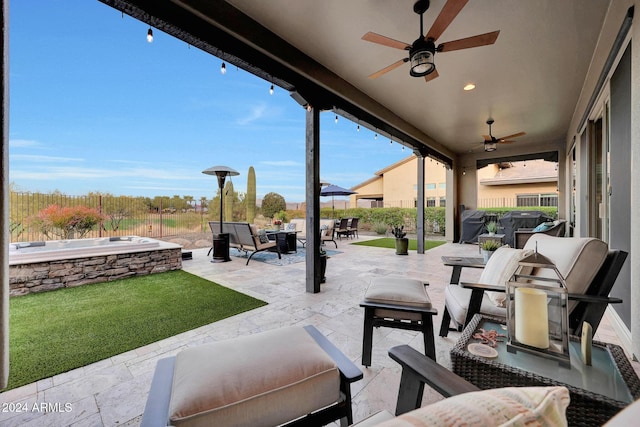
537 310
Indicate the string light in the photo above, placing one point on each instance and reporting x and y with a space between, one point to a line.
358 129
150 35
271 90
223 68
375 136
403 148
464 171
336 118
391 142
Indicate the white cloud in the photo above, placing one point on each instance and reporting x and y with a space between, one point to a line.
281 163
23 143
44 159
256 113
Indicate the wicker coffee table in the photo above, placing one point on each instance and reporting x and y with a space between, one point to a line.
598 392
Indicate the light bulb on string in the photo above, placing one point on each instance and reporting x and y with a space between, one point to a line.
336 118
358 128
271 90
223 68
150 35
375 136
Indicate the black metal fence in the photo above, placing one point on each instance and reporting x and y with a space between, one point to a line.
122 215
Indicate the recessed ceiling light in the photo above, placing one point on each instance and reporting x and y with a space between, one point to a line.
469 86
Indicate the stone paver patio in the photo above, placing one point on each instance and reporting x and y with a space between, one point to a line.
114 391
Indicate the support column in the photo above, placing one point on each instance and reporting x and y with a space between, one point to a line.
4 198
420 201
313 275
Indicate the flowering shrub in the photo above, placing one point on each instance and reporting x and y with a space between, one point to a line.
66 223
277 222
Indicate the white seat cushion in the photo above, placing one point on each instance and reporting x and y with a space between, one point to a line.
457 299
398 291
263 379
499 270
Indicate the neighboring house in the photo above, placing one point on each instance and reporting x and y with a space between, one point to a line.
531 183
518 184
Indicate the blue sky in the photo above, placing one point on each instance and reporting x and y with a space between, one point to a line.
94 107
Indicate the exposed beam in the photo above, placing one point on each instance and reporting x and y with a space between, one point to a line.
220 29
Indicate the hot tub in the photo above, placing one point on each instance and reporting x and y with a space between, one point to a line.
29 252
42 266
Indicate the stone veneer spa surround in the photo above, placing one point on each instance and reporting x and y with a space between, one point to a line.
125 257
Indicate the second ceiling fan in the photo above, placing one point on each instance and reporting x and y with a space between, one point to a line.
491 142
423 49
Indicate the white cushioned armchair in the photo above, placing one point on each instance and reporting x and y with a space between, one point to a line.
587 265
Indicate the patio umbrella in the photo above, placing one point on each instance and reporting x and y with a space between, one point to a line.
334 190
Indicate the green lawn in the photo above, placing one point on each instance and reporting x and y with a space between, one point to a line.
53 332
390 242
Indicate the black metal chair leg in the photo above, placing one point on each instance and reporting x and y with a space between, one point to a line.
367 341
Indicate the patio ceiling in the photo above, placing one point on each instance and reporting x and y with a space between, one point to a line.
530 80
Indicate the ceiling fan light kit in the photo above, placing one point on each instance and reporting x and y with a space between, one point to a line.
421 54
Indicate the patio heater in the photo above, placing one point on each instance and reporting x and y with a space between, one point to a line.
221 241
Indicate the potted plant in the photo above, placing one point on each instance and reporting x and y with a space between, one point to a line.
402 242
488 248
492 228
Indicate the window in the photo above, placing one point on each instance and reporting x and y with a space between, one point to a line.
523 200
430 186
443 202
442 185
431 202
526 200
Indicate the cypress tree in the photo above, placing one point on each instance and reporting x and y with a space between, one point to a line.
251 195
229 197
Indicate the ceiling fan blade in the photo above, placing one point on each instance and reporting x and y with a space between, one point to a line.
389 68
505 142
431 76
385 41
466 43
447 15
487 138
515 135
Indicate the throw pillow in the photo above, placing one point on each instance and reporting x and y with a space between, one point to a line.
543 227
291 227
505 407
262 236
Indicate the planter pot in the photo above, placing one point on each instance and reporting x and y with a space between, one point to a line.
402 246
276 227
486 255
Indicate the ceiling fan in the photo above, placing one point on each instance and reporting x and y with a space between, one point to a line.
423 49
491 142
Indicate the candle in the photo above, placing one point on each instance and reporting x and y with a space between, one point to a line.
532 322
